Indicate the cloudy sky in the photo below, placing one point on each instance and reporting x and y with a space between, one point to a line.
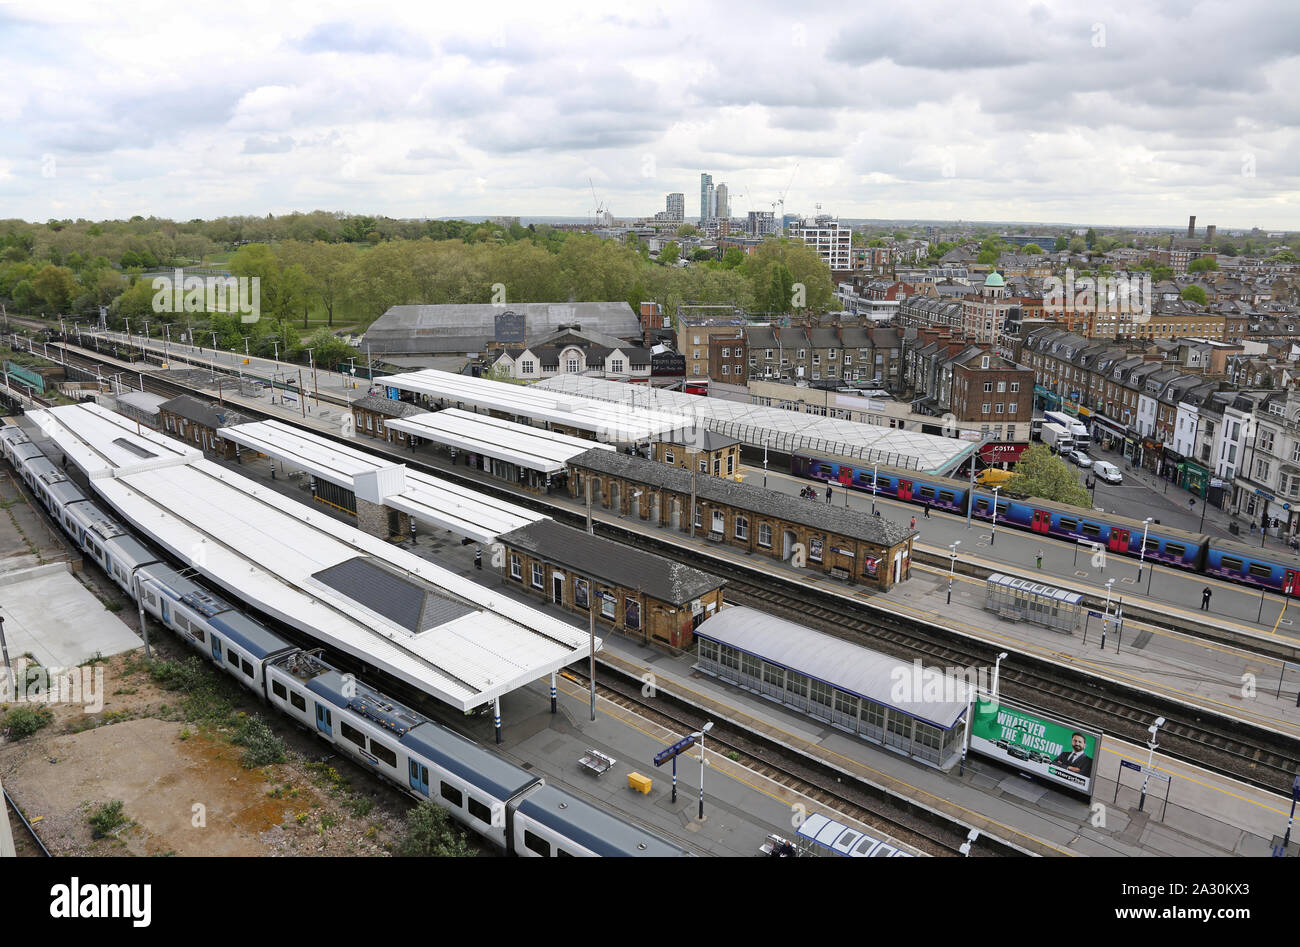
1131 113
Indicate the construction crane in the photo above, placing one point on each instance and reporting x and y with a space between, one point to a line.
600 207
780 219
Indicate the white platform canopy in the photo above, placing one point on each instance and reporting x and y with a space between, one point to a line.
532 448
464 644
782 430
432 501
609 421
108 444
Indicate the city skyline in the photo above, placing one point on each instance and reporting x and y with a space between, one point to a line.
1038 113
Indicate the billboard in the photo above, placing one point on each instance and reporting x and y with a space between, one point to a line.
509 327
1060 753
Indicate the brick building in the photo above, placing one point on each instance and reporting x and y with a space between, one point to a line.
700 449
845 543
632 591
196 422
371 414
727 358
994 393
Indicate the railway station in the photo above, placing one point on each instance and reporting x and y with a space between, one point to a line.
574 415
532 457
393 611
384 496
775 429
842 542
850 687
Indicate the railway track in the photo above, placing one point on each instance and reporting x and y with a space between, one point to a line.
922 830
36 849
1218 742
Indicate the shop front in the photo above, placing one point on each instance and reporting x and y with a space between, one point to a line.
1193 478
1002 453
1045 399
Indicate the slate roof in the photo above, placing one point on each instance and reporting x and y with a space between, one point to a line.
854 524
387 406
613 562
202 412
413 605
461 328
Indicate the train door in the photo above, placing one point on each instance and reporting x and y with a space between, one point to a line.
325 720
905 489
166 611
1291 582
1118 540
216 649
1042 522
419 776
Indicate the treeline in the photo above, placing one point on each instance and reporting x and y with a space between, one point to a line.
347 270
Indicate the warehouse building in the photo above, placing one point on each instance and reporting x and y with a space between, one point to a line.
464 329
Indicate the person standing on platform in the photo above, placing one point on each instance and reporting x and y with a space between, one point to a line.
478 559
1038 557
913 522
828 493
927 511
1205 599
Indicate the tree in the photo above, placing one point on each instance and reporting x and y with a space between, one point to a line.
1194 294
1062 242
1040 473
1076 245
1201 264
1031 249
1161 273
688 230
1090 238
328 350
55 287
670 253
430 834
733 258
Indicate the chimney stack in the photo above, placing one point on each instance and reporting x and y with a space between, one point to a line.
1209 233
1191 226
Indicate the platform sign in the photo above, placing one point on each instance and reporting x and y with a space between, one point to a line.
667 753
1036 744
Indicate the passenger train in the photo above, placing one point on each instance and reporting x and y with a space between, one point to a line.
1261 568
515 810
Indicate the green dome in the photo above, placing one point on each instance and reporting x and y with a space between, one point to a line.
993 279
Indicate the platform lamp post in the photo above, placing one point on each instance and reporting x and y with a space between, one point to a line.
993 537
1286 839
997 667
700 736
765 465
1151 753
1105 619
1142 554
874 469
4 650
952 567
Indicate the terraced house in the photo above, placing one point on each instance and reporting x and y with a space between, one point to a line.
838 352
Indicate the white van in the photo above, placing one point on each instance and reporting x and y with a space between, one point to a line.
1107 471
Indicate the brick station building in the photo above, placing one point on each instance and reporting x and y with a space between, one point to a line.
845 543
712 453
196 422
631 590
371 413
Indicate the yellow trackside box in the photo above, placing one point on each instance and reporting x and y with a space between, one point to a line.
638 782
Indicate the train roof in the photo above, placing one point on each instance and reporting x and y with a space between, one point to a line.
595 829
131 550
1256 552
248 633
479 767
185 589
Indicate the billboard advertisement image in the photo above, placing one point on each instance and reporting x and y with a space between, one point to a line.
1058 752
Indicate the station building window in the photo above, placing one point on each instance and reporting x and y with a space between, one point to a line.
539 574
742 527
516 567
765 535
608 606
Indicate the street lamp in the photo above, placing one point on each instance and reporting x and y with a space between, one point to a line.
1146 776
1286 839
765 464
997 665
993 539
1142 555
874 469
700 736
952 553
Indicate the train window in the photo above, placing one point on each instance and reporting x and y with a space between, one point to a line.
561 853
479 811
926 492
1260 570
353 734
1175 549
297 700
1151 544
451 794
1002 507
279 690
232 657
538 845
947 496
247 668
1236 565
1090 529
150 598
381 752
1069 523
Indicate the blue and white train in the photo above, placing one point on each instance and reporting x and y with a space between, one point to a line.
1267 568
515 810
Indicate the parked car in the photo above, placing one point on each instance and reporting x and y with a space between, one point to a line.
1080 458
1107 471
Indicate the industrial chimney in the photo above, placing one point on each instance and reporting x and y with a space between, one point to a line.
1209 233
1191 226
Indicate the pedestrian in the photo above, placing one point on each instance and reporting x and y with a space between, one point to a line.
1205 599
828 493
913 522
1252 527
1039 558
927 511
